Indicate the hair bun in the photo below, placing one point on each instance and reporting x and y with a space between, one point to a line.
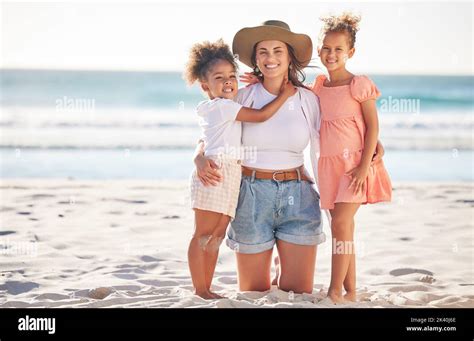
345 22
351 20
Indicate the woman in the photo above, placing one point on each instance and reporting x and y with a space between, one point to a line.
278 203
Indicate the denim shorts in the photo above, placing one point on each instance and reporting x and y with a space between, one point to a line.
269 210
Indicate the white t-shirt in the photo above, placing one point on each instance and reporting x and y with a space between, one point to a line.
220 131
280 141
308 104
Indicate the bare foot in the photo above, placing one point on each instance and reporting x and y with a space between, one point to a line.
350 296
336 298
207 295
277 271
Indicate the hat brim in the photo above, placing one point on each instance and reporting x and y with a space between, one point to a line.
245 40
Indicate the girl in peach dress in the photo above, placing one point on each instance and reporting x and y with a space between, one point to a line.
348 136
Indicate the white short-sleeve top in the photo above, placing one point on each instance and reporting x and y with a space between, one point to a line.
220 131
279 142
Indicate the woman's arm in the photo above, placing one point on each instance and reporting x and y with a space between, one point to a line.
206 169
379 152
359 174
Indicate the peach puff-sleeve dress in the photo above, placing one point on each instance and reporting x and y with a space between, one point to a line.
342 134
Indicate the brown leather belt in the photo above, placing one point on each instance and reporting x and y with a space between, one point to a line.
278 175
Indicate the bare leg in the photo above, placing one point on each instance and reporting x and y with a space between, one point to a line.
204 225
297 266
212 251
350 280
342 242
254 271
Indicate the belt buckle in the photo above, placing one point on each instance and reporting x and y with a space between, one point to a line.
275 173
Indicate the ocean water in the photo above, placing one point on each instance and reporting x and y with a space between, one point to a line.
98 125
158 164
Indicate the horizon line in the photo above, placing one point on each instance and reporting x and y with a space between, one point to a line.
310 71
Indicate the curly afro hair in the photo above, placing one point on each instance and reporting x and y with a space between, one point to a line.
202 58
345 23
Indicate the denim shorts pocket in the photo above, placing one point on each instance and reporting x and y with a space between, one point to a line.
313 190
242 193
310 198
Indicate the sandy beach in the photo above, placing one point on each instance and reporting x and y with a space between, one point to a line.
123 243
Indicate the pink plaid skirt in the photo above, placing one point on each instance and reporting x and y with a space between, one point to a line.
222 198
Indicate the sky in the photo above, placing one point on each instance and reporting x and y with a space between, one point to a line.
394 38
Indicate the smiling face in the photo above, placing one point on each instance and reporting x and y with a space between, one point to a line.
335 50
272 58
221 80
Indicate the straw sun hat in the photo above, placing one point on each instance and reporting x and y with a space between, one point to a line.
248 37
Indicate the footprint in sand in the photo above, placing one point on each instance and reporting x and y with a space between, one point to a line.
126 276
16 287
149 259
405 239
60 246
376 272
70 202
41 196
85 256
171 217
70 270
131 270
115 212
132 201
465 201
407 271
